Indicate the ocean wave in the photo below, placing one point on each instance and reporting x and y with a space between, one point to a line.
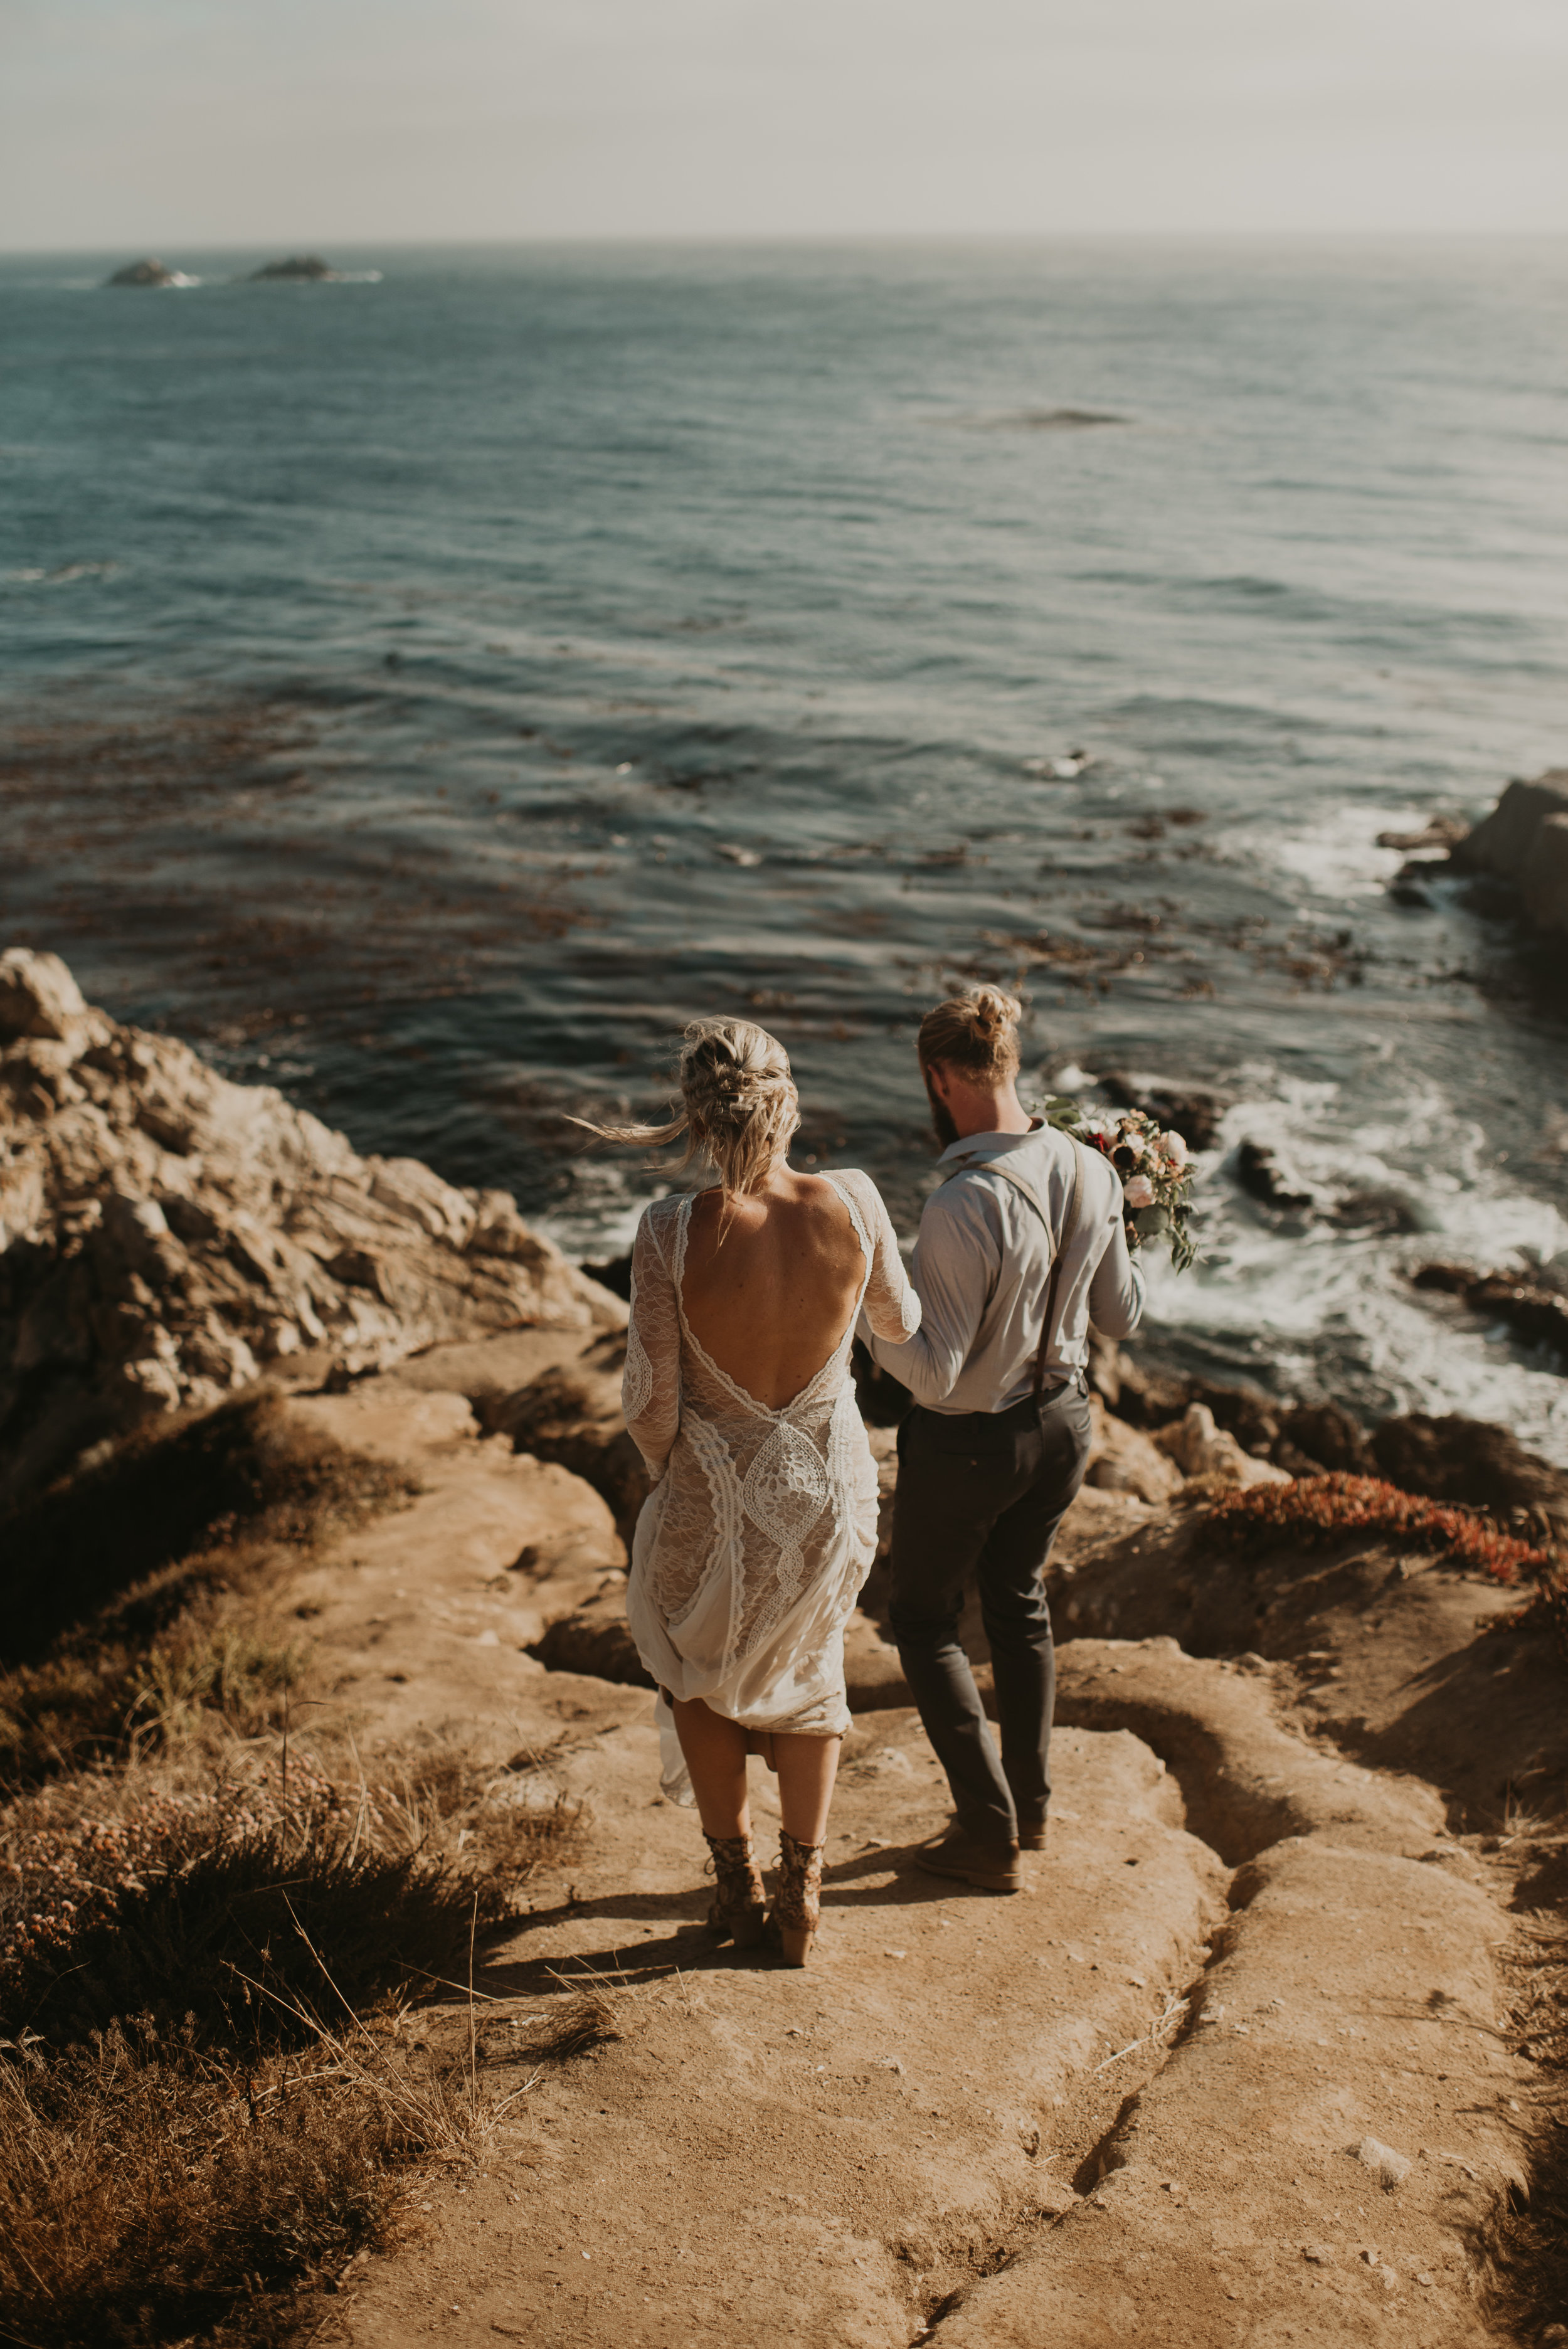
1335 854
35 575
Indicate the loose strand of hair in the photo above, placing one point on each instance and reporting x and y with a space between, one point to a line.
651 1137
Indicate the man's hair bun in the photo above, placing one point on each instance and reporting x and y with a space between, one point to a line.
976 1032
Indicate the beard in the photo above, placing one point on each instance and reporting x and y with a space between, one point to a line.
941 1118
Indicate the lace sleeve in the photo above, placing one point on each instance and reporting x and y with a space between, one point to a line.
651 1387
891 1308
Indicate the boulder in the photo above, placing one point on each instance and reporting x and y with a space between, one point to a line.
1524 842
1122 1459
1199 1448
38 996
1544 888
1469 1460
165 1234
1323 1435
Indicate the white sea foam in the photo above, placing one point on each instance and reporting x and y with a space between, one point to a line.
1336 854
1326 1309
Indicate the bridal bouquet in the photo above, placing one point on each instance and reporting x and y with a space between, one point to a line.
1155 1169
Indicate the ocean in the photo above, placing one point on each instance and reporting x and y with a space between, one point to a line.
427 691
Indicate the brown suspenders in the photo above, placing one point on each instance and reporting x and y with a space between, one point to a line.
1069 1226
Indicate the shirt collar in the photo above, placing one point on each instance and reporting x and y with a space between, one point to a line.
990 1146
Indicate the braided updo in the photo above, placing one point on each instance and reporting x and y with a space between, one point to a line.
739 1110
976 1032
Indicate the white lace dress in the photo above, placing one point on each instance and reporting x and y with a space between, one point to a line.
751 1548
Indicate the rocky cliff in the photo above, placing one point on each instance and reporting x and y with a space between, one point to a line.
166 1236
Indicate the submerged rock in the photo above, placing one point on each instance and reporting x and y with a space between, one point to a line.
1194 1111
166 1237
1261 1176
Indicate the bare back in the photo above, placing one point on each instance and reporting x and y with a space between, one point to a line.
770 1299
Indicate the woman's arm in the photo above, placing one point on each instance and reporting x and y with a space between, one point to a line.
891 1309
956 1262
651 1383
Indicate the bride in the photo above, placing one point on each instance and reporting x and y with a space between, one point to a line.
753 1545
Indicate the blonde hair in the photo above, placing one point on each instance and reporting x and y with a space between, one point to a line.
739 1110
976 1032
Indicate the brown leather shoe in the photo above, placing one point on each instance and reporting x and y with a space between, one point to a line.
992 1865
1031 1834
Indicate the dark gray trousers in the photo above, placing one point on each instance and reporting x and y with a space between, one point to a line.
982 1493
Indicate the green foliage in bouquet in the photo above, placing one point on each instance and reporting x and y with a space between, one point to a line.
1155 1168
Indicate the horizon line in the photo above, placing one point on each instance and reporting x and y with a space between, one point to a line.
819 238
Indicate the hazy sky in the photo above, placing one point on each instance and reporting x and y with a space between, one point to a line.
169 125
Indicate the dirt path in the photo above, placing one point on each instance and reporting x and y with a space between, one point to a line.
963 2118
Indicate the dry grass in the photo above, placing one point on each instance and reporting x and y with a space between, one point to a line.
130 1616
214 1905
1525 2246
206 1936
95 1703
598 2010
175 1508
153 2193
205 2104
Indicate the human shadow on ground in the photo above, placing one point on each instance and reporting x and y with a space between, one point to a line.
685 1945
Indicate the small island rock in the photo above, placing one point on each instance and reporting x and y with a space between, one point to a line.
308 266
143 273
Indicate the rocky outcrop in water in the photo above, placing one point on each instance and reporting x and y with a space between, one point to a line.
306 268
1524 844
166 1237
143 273
1533 1304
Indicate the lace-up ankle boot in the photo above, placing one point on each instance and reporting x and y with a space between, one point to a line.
798 1903
740 1911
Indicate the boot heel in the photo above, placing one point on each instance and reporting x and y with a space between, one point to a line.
747 1932
792 1926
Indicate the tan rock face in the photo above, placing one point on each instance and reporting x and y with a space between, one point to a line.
166 1235
1122 1459
1199 1448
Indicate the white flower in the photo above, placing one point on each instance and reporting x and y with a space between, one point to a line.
1139 1192
1175 1148
1130 1140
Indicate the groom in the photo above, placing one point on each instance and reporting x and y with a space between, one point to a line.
1021 1244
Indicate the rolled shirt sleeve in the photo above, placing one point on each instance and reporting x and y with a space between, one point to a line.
1117 1294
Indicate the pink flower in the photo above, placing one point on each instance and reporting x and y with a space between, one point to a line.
1139 1192
1175 1148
